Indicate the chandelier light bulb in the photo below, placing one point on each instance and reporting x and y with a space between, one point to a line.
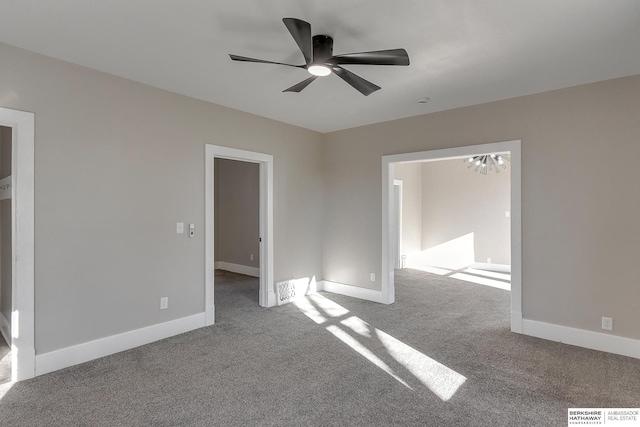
486 162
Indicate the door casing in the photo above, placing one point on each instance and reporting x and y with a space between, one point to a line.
267 296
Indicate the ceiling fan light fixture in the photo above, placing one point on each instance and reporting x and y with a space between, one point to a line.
320 61
319 70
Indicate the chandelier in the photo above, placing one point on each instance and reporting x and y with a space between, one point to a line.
486 162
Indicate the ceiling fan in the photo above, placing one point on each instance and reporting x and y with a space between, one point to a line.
320 60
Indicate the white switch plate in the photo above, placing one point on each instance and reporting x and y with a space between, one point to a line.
488 260
373 277
180 227
507 214
164 303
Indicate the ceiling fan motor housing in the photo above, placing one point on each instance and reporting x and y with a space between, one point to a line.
322 48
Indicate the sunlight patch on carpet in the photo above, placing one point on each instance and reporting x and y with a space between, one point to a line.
364 351
442 381
488 273
304 305
482 281
4 389
381 349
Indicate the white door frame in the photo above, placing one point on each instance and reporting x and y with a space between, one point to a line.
397 217
267 296
22 343
513 147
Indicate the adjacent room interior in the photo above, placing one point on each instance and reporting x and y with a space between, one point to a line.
455 218
237 231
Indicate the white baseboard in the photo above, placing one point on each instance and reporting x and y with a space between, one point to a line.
237 268
5 328
210 315
352 291
516 322
578 337
582 338
69 356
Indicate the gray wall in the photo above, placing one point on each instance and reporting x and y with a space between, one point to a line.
5 229
118 163
457 201
580 233
237 212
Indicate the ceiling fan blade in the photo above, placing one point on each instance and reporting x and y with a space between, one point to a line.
365 87
262 61
378 57
298 87
301 32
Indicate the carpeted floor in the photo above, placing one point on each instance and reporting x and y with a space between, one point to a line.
442 355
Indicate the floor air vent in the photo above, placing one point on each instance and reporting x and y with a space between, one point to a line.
286 291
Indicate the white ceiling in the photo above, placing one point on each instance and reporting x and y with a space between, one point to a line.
462 52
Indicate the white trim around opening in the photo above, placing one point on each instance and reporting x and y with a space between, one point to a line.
267 296
513 148
23 288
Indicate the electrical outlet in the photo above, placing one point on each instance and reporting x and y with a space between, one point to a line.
164 303
251 257
373 277
488 260
607 323
180 227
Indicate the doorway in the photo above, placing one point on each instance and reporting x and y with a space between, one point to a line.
6 277
19 313
388 202
265 238
237 229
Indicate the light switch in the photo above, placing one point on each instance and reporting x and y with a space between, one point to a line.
180 227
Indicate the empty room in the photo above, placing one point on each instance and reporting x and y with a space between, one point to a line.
303 213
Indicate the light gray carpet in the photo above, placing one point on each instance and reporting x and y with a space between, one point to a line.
278 367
